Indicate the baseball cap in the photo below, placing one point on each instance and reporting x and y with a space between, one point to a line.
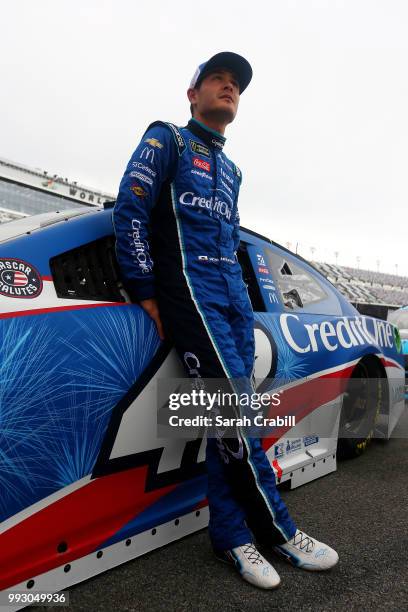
228 60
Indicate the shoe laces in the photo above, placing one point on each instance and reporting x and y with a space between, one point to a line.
303 542
252 554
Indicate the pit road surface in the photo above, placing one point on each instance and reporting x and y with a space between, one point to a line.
360 510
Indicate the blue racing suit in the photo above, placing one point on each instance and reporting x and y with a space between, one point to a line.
177 234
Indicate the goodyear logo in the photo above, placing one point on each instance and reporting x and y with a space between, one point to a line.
154 142
18 279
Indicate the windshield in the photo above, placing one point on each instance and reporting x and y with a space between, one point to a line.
399 318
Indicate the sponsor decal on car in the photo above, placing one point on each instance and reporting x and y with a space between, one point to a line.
293 445
199 148
261 260
154 142
263 270
308 440
279 449
397 339
330 335
19 279
201 163
139 191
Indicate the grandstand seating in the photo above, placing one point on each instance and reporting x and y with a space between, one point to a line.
10 215
379 278
366 286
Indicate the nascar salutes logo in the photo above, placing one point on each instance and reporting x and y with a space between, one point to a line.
18 279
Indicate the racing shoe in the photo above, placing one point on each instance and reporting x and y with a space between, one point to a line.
307 553
252 566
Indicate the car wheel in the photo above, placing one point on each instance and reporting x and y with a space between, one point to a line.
362 404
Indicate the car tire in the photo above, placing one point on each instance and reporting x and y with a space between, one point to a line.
362 403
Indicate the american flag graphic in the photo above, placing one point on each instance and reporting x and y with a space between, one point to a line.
18 279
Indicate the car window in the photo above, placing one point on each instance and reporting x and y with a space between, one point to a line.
88 272
399 318
299 287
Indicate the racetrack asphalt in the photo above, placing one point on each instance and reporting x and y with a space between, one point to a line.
360 510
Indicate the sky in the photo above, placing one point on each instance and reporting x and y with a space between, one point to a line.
321 135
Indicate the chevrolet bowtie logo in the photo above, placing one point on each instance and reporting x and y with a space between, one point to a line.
154 142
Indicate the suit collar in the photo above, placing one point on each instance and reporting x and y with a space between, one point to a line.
209 136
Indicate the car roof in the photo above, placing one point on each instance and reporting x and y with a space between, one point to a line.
13 229
280 246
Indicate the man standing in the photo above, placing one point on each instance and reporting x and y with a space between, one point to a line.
177 204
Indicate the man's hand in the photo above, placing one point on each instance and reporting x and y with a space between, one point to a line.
152 309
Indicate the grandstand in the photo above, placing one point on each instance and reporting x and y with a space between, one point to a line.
365 288
28 191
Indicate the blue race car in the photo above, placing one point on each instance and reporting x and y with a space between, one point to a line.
85 481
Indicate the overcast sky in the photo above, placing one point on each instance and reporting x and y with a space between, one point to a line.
321 135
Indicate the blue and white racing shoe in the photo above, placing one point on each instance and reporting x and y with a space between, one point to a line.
307 553
252 566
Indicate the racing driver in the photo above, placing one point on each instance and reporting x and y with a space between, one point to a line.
177 235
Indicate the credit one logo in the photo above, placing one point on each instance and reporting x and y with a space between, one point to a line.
139 247
329 335
213 204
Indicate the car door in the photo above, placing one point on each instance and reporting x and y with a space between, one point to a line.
291 302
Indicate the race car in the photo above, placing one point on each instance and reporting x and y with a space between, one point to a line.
85 481
399 318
